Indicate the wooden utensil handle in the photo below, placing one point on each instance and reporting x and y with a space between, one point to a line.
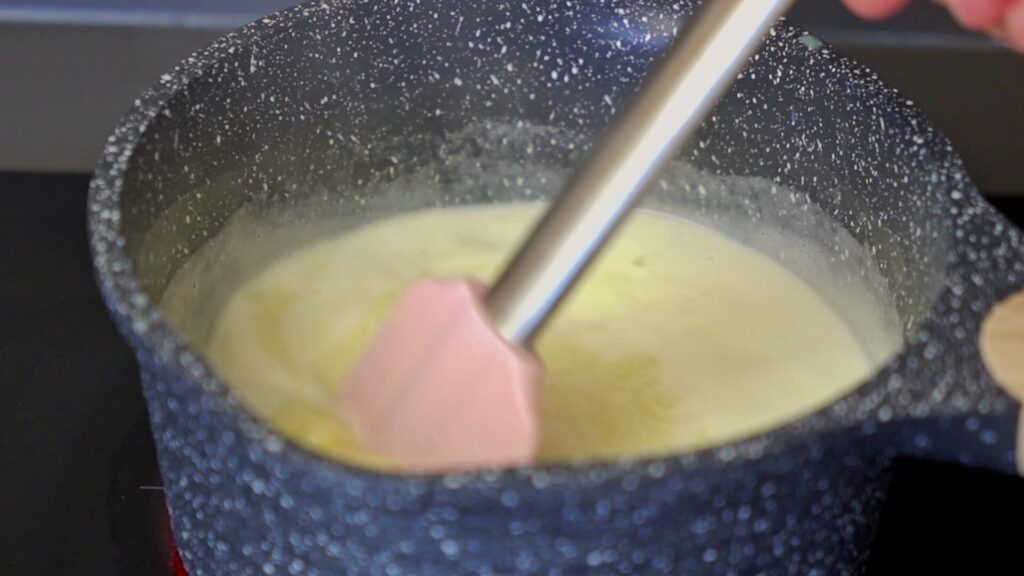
1002 349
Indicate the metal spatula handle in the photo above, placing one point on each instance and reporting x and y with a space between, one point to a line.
666 112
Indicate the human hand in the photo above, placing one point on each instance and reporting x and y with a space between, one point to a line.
1003 19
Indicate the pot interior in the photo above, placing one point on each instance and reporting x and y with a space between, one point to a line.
330 117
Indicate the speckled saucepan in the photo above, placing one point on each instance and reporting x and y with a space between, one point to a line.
334 100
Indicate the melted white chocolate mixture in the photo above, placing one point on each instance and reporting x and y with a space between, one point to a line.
679 338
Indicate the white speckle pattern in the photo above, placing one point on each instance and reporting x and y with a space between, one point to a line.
312 97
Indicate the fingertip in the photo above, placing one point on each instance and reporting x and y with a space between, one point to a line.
1013 24
979 14
875 9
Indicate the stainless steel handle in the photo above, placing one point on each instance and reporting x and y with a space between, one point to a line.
666 112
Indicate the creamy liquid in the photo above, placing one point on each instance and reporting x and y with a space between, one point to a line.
678 339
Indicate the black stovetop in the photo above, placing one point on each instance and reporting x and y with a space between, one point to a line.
79 487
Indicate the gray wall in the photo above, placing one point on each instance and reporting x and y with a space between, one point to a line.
69 69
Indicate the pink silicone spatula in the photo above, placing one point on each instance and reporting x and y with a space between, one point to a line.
450 383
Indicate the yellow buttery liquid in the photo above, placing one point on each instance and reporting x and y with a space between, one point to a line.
678 339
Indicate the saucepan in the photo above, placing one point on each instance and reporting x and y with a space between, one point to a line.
333 100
